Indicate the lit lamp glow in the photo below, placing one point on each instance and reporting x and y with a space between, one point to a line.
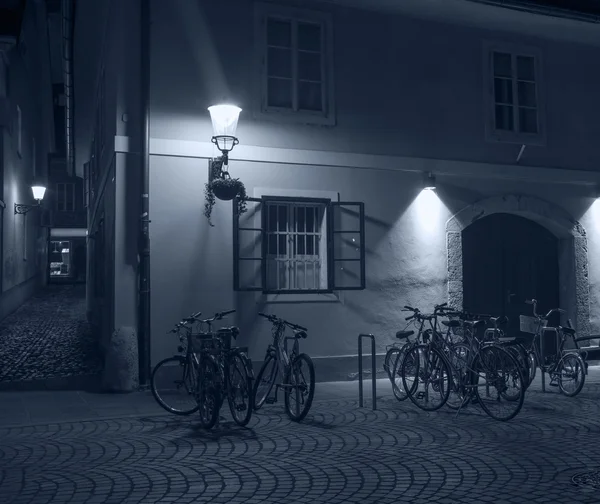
38 195
38 192
224 120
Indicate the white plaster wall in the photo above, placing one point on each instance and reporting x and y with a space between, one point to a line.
192 264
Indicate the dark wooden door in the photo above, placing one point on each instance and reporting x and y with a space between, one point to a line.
506 260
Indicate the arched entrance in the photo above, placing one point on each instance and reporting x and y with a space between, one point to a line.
506 260
571 253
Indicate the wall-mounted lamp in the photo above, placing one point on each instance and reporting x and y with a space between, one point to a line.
38 196
429 182
224 120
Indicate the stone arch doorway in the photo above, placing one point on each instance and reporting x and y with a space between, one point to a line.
573 285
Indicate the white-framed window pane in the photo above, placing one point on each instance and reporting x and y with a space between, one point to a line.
526 68
504 117
503 91
527 94
502 64
279 93
310 96
309 37
528 122
279 62
309 66
279 32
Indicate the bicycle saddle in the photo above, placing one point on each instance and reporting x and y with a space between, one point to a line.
567 330
499 320
404 334
475 323
300 334
451 323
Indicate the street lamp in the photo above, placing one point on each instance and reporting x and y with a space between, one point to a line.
38 195
224 120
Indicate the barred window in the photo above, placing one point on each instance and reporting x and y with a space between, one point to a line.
297 245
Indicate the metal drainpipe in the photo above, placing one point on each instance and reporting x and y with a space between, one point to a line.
534 8
67 61
144 238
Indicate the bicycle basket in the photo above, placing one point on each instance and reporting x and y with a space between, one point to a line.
529 324
202 341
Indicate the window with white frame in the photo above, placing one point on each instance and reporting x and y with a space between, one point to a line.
296 235
19 132
516 101
295 63
299 245
65 197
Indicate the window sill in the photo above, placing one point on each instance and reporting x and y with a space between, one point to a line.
538 140
332 297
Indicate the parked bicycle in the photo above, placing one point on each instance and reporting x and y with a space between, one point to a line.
566 368
288 372
174 379
225 371
484 371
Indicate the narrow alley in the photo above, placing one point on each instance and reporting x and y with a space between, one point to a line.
47 343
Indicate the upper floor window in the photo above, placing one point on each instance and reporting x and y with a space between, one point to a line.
299 245
296 74
515 97
65 197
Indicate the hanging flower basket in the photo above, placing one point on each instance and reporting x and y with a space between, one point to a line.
223 187
226 189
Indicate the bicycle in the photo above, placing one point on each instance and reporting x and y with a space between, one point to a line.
567 361
395 354
459 368
288 365
227 373
181 369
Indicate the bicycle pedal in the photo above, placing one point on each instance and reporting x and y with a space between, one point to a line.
553 384
271 400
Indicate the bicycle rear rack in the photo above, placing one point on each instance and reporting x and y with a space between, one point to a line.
360 370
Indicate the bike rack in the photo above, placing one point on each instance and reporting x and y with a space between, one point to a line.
360 370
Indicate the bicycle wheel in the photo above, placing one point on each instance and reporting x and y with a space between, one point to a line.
388 362
173 385
396 374
519 352
264 381
239 389
533 365
459 366
498 382
298 396
524 369
208 393
426 377
572 374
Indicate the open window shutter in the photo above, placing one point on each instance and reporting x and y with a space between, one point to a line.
346 245
248 247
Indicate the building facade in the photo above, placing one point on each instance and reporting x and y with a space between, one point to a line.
65 216
26 139
343 102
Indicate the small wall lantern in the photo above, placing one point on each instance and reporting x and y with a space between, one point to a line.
38 195
220 185
429 182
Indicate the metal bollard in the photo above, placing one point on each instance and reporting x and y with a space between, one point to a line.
360 370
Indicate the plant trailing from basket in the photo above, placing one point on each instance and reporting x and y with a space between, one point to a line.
222 186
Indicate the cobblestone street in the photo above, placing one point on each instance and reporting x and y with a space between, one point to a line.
47 339
121 448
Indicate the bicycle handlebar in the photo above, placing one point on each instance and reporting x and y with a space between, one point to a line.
276 320
535 313
216 316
